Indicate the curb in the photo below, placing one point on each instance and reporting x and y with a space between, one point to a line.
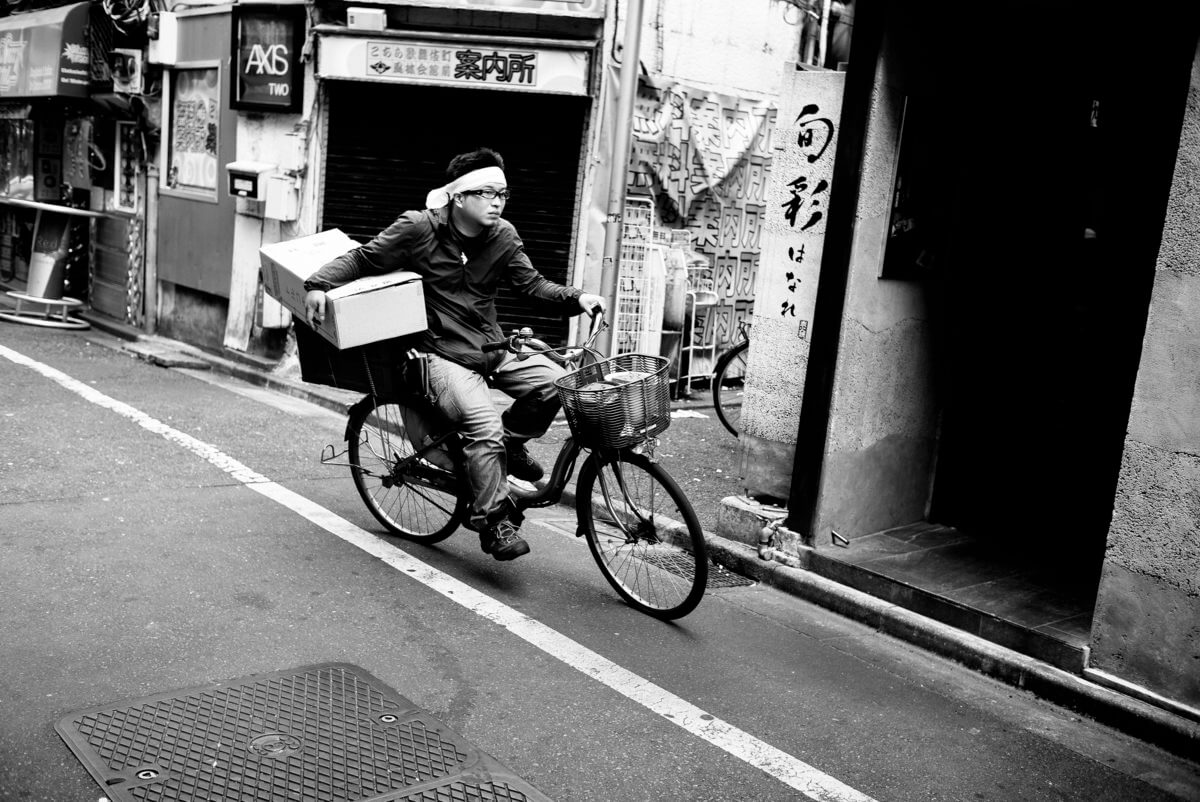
1143 720
1175 733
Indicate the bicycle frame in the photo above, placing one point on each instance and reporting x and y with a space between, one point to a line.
417 469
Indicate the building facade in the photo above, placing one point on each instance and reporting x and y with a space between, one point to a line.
75 130
367 109
995 353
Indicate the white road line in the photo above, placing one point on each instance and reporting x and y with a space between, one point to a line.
778 764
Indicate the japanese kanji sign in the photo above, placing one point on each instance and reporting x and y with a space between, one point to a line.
491 65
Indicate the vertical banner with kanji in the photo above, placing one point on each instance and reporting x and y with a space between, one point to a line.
785 293
704 157
798 201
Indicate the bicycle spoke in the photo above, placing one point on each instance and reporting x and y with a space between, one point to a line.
412 509
644 535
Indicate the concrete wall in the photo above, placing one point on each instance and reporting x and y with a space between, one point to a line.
1146 628
882 427
785 290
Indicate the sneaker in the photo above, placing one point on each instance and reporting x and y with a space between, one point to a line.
502 541
520 464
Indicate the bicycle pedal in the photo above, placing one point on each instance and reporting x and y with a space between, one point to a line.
521 488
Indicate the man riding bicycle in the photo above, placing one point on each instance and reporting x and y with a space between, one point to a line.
462 248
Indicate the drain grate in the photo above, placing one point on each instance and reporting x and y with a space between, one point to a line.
324 732
721 577
682 566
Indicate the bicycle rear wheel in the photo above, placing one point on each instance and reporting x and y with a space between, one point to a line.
643 533
417 502
728 385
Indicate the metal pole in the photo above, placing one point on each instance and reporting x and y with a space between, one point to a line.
150 263
622 136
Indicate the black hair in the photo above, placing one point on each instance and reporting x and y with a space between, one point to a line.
477 159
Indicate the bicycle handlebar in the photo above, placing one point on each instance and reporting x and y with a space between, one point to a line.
496 346
524 337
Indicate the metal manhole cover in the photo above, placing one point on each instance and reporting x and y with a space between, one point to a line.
681 566
323 732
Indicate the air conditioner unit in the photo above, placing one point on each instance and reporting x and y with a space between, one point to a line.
128 72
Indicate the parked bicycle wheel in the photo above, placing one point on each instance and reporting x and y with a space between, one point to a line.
643 533
728 385
417 503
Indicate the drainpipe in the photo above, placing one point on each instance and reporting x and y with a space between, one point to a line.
823 48
622 136
150 268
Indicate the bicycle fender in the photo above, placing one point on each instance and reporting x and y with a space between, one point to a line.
357 410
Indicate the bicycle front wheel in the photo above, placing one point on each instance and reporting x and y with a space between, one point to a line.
728 385
643 532
416 502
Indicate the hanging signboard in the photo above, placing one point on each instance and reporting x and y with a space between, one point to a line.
45 53
487 65
267 74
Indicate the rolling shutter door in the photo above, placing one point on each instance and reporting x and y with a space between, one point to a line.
389 145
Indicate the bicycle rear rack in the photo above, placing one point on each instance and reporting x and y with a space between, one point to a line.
329 454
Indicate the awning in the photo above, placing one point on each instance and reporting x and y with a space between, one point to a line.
45 53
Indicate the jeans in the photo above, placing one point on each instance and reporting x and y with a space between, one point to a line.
465 397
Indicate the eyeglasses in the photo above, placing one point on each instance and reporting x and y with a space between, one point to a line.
490 194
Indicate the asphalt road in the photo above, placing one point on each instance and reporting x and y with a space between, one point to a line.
165 529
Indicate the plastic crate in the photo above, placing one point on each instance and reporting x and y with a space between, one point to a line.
322 363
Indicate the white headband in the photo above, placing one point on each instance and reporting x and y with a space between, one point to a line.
465 183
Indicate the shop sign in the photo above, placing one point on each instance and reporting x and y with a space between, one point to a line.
45 53
267 74
482 64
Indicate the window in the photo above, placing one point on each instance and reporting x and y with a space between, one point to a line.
16 158
911 234
192 164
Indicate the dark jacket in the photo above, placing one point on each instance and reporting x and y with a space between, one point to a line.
460 275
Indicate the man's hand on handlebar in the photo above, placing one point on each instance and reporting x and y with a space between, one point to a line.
314 307
591 304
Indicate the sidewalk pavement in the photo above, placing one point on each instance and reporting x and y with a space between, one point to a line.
1154 720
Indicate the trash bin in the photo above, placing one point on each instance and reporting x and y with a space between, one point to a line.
48 261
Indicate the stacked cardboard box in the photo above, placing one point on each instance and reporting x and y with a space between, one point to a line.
368 325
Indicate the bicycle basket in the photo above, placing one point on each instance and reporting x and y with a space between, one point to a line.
617 402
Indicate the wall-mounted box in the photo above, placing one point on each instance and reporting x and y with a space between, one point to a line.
247 179
282 201
163 31
127 72
366 19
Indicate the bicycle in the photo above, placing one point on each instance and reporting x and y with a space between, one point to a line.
639 525
728 381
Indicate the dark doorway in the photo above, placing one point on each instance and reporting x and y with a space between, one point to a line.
1055 174
389 145
1031 211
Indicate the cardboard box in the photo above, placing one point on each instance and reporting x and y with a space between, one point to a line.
368 310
